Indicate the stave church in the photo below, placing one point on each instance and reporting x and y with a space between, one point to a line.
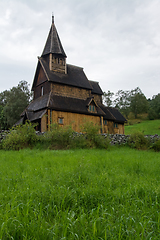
64 95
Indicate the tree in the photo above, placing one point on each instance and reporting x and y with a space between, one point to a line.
122 101
107 98
12 103
139 103
3 123
154 107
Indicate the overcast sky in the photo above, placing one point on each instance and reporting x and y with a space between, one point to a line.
117 42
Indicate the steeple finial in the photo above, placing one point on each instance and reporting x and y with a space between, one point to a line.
52 18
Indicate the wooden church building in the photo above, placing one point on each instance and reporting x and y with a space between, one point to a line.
64 95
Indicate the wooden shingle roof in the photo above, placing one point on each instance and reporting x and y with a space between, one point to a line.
61 103
116 113
75 76
112 114
53 43
108 115
96 88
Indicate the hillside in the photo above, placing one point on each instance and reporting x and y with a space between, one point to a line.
149 127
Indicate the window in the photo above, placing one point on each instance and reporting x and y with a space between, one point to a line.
105 122
42 91
115 125
91 108
50 115
60 120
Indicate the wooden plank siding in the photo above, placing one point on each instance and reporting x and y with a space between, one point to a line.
70 91
76 120
38 91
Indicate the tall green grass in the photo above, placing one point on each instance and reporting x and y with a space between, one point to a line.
80 194
150 127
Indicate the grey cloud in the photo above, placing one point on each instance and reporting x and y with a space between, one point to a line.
117 42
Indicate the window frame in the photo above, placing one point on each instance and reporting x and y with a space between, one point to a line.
92 108
105 122
61 120
42 90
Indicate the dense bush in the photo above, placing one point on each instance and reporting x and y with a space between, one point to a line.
90 129
137 140
93 138
64 137
59 136
19 137
156 146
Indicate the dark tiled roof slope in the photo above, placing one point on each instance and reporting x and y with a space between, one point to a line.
75 76
72 105
116 113
39 103
32 116
112 114
96 88
59 103
53 43
108 114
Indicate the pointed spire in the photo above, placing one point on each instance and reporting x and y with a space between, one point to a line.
52 18
53 43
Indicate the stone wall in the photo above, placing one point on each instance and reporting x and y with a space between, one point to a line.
122 139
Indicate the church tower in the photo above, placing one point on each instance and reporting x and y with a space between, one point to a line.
54 52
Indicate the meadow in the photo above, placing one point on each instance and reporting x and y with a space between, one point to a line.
148 127
79 194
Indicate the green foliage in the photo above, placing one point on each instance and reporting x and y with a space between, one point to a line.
151 114
80 194
139 104
122 101
21 136
156 146
60 136
78 141
134 101
13 102
90 129
101 142
131 101
3 122
154 110
107 98
93 138
64 137
138 141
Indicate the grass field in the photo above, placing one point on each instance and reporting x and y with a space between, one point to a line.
149 127
80 194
